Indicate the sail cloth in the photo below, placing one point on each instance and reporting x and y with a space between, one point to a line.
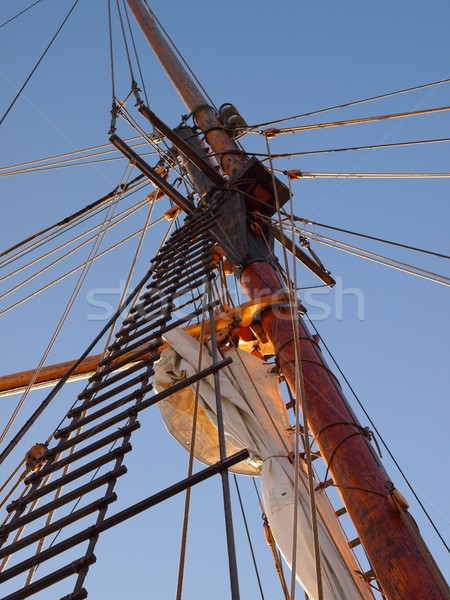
255 418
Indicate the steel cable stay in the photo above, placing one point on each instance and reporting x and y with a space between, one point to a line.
47 234
249 539
354 175
300 408
378 258
411 269
77 268
190 469
127 50
354 103
138 62
314 235
123 216
19 14
366 236
279 155
19 92
83 162
67 158
120 218
55 161
360 121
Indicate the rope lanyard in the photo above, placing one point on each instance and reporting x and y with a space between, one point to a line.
300 405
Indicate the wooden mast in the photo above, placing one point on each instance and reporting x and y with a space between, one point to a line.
400 558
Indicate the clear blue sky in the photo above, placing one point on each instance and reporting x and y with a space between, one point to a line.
272 60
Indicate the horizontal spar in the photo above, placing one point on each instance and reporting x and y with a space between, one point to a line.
16 383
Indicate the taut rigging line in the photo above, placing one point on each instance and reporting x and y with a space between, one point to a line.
67 220
329 150
426 111
366 236
374 257
355 102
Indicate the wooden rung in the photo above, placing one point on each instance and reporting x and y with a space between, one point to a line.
341 511
354 543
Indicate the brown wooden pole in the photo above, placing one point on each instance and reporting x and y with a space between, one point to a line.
400 558
16 383
243 315
231 157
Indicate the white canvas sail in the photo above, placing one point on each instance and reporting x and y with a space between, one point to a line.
255 417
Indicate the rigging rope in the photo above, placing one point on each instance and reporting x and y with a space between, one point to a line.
378 258
125 41
20 13
249 539
371 147
300 406
38 63
323 175
63 380
82 154
111 60
116 221
136 55
119 218
75 269
65 225
355 102
415 113
371 237
187 501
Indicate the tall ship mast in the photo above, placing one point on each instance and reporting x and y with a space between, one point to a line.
213 360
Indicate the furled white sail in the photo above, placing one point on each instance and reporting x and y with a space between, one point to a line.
255 417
